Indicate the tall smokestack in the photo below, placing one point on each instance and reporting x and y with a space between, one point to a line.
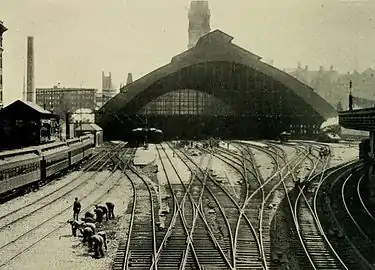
199 21
129 79
30 87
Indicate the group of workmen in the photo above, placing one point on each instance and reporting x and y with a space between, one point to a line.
88 226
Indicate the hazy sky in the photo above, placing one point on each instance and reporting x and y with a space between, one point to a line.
76 40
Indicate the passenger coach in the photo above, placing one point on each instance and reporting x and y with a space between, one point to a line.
28 168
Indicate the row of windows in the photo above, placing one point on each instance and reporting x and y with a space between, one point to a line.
68 98
12 172
79 104
186 101
76 152
303 129
56 159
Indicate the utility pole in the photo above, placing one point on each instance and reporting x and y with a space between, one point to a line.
350 96
80 105
146 126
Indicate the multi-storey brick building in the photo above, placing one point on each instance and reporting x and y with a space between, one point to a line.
61 100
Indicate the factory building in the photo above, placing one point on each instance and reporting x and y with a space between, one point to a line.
61 100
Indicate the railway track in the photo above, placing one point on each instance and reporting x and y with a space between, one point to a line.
247 251
360 188
352 219
316 247
15 247
16 215
201 237
255 216
328 221
139 251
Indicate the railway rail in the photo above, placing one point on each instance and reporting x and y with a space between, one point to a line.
352 223
242 213
139 251
15 247
191 240
201 235
327 221
19 214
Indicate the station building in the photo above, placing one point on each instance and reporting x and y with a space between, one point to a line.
23 124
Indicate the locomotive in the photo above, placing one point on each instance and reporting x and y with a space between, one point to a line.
145 135
29 167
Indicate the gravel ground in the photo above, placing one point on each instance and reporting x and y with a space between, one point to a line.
70 190
255 143
304 170
66 252
343 153
227 174
143 157
264 163
38 253
289 150
21 227
283 235
22 201
231 147
181 168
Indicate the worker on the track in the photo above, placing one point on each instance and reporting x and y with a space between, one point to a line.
111 209
97 242
75 226
87 234
89 217
90 225
88 220
104 236
99 215
104 209
76 209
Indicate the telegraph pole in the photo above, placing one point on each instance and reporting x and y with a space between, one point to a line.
350 96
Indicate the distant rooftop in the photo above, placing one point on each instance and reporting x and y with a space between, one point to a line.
2 27
57 88
35 107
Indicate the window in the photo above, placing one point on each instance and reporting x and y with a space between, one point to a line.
187 102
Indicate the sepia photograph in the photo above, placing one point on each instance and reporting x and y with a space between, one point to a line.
187 135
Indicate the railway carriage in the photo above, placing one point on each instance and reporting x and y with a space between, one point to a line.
88 142
19 168
76 151
55 158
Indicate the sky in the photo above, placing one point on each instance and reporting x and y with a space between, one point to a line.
76 40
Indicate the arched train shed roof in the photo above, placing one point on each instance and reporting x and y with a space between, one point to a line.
212 47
